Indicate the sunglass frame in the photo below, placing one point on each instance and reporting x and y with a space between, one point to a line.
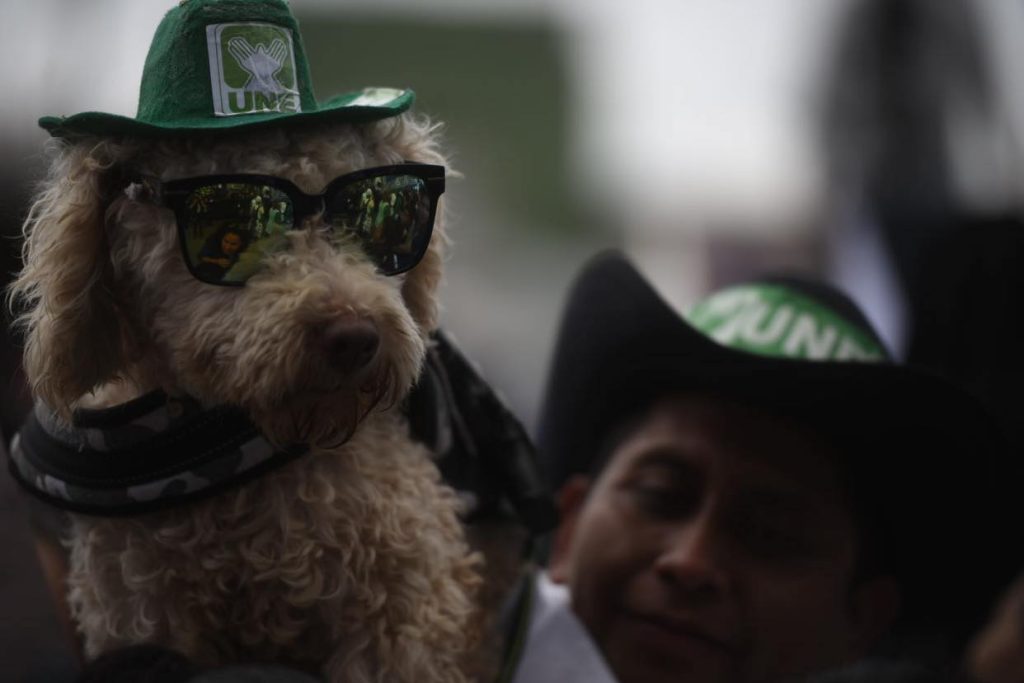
172 194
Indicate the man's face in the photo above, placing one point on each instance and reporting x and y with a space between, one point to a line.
716 546
230 243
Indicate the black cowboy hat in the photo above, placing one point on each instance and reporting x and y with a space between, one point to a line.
925 460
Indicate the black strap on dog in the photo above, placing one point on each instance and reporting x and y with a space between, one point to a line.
152 452
482 449
157 451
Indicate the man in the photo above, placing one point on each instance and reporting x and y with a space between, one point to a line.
754 493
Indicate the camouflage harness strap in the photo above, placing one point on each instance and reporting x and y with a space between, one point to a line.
152 452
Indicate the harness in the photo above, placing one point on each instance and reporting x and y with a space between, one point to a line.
159 450
151 452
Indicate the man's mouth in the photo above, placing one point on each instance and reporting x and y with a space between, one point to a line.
673 630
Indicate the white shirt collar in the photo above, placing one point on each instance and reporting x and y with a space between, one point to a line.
558 648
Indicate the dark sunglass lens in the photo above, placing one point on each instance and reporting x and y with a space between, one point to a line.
229 227
391 216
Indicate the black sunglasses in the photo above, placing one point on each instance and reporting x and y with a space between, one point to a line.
228 223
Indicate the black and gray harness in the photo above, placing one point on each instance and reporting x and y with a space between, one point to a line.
160 450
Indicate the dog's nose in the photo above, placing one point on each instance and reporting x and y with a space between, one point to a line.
351 342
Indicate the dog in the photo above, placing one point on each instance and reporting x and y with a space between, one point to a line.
348 560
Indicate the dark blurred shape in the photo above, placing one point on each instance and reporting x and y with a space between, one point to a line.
910 81
148 663
35 646
883 671
139 664
967 317
909 77
15 400
905 73
254 674
997 654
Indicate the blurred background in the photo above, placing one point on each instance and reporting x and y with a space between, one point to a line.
713 140
875 143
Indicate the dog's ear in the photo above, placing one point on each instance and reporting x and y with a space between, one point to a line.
74 339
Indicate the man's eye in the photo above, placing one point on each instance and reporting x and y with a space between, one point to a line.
662 500
771 539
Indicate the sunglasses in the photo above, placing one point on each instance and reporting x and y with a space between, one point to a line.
227 224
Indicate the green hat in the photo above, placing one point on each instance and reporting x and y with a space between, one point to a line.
226 64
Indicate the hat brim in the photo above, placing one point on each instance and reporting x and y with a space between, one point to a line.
345 108
622 345
918 444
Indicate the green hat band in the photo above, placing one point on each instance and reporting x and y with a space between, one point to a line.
776 321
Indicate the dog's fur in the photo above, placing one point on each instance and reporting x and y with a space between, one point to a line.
349 560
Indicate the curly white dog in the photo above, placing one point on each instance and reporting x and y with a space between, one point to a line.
349 559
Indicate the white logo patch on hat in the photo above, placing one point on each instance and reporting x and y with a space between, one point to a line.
252 69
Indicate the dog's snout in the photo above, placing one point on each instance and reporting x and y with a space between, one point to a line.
351 342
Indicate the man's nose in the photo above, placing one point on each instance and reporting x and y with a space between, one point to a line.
693 557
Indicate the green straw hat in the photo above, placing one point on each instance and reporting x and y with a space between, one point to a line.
227 64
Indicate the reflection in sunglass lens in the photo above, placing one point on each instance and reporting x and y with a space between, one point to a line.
390 217
230 227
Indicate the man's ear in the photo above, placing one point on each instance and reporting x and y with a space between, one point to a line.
875 606
571 497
